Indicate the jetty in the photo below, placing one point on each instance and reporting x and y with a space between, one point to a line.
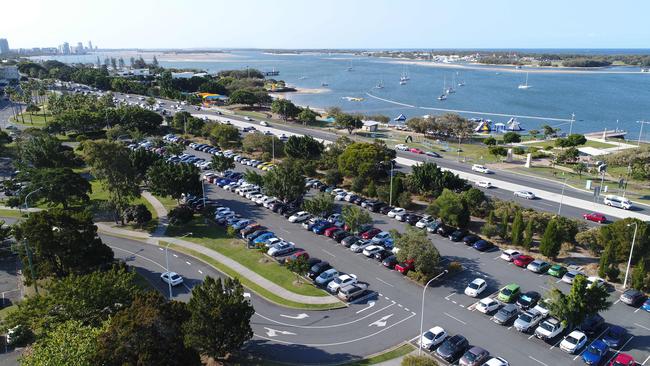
606 134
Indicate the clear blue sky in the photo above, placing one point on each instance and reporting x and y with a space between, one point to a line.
328 23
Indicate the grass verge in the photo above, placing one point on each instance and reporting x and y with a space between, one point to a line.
10 213
399 351
251 285
7 310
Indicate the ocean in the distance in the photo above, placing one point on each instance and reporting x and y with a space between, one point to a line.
598 98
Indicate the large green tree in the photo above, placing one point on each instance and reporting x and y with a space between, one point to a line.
243 97
285 108
428 179
451 208
551 242
219 322
303 147
174 180
414 244
286 182
225 136
58 186
45 151
581 302
355 217
222 163
321 205
365 159
348 121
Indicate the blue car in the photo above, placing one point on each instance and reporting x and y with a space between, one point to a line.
264 237
252 236
241 224
646 305
321 227
482 245
595 353
614 336
223 181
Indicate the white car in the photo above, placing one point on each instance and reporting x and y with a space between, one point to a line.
616 201
570 276
401 147
327 276
549 329
510 255
595 281
248 118
272 242
370 250
432 338
341 281
360 245
426 220
281 248
487 305
528 320
337 191
573 342
525 194
475 287
542 307
480 169
264 123
341 196
299 216
484 184
269 201
261 200
397 210
496 361
172 278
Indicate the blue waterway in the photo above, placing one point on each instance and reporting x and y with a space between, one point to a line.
598 100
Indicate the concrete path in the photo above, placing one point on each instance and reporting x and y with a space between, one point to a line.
159 235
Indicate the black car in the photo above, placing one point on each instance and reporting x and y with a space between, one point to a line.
376 206
276 206
470 239
380 256
339 235
528 300
317 269
385 210
357 200
444 230
289 212
458 235
348 241
506 314
255 234
312 261
453 348
390 262
323 187
412 219
592 324
632 297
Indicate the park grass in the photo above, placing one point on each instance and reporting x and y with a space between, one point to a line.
37 119
10 213
7 310
167 202
396 352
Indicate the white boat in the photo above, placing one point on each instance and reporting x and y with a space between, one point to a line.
402 82
442 96
380 85
525 85
404 76
461 82
450 89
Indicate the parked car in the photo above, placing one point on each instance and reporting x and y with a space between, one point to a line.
423 222
523 260
614 336
330 231
317 269
623 359
369 234
487 305
281 248
538 266
444 230
360 245
370 250
348 241
509 293
458 235
632 297
482 245
470 239
506 314
476 287
390 262
433 227
299 216
592 324
321 227
352 292
528 320
595 281
340 234
510 255
496 361
380 256
326 276
542 307
341 281
528 300
295 255
432 338
595 217
573 342
452 348
412 219
395 211
381 237
595 353
557 270
549 329
474 356
525 194
570 276
405 266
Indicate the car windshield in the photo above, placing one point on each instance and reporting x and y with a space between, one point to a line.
473 285
175 277
337 281
570 274
526 317
428 335
593 349
547 326
571 340
506 292
525 299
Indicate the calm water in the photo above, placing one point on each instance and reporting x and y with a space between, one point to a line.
597 99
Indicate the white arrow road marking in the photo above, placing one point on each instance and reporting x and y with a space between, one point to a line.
299 316
370 304
247 294
273 332
381 322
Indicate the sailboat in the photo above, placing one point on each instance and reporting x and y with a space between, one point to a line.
350 67
324 83
451 89
380 85
443 96
461 82
404 76
525 85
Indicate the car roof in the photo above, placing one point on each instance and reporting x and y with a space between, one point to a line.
478 281
436 330
512 286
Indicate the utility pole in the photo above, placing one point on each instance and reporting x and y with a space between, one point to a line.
641 130
629 261
390 194
573 118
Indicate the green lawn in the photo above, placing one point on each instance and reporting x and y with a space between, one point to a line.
589 143
400 351
7 310
35 120
214 237
167 202
10 213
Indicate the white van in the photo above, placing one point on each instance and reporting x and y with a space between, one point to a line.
616 201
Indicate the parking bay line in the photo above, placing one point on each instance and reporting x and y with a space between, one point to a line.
619 350
328 253
536 360
639 325
592 342
646 360
384 282
453 317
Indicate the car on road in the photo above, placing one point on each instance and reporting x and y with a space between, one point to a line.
484 184
341 281
510 255
632 297
432 154
616 201
415 150
496 361
432 338
482 245
299 216
453 348
614 336
370 250
528 320
595 353
538 266
317 269
525 194
549 329
324 278
401 147
573 342
506 314
557 270
390 262
528 300
351 292
476 287
395 211
595 217
509 293
570 276
623 359
474 356
172 278
523 260
480 169
405 266
281 249
487 305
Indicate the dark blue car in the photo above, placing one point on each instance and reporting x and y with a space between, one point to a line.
482 245
255 234
595 353
614 336
321 227
223 181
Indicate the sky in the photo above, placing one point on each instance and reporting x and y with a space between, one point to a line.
359 24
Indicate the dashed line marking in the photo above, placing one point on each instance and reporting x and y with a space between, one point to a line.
384 282
175 255
531 336
646 360
188 263
461 305
161 249
201 272
386 297
454 301
400 305
407 309
617 301
328 253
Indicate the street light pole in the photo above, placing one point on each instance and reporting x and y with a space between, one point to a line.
390 194
573 118
169 280
629 261
422 310
559 209
29 254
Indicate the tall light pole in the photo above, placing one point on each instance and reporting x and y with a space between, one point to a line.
29 254
559 209
390 194
641 130
169 280
573 118
629 261
422 310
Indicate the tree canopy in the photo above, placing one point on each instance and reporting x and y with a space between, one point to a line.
303 147
286 182
365 159
174 180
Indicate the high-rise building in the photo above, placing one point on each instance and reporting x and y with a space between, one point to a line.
65 48
90 46
4 46
79 48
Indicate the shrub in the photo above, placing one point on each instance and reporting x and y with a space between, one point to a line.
231 231
81 138
518 150
404 200
261 247
180 215
548 147
137 213
454 266
413 360
358 183
490 230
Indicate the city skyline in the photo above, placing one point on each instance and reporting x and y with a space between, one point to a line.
361 24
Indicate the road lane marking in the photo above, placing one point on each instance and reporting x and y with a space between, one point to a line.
298 317
536 360
188 263
175 255
646 360
201 272
639 325
531 336
328 253
384 282
453 317
370 305
381 322
161 249
274 332
323 326
450 295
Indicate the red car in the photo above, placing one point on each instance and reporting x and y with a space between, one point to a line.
595 217
523 260
404 267
623 360
370 233
296 255
415 150
329 231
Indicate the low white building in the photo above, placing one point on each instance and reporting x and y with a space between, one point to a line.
370 126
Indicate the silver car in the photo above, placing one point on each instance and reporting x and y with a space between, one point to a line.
528 320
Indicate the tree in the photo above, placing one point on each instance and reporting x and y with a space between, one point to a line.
58 186
354 217
307 116
286 182
620 234
533 133
348 122
428 179
497 151
148 332
549 131
303 147
333 177
61 243
580 168
219 322
414 244
639 279
478 203
243 97
451 208
371 190
226 136
581 302
222 163
517 229
511 137
322 205
142 160
420 125
137 118
551 242
70 343
139 214
528 235
253 177
45 151
490 141
607 266
285 108
185 122
174 180
299 266
503 227
180 215
365 159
